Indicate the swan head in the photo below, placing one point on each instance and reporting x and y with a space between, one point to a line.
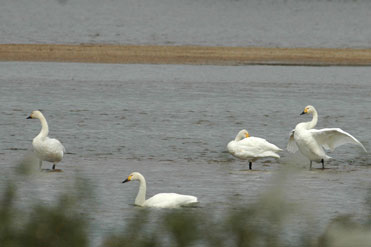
308 109
244 133
133 176
35 114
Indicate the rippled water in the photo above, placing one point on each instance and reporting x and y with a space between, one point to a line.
172 123
284 23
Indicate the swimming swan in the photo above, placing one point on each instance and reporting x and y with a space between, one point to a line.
251 148
46 149
162 200
311 141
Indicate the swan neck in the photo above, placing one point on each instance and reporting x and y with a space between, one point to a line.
141 196
239 137
314 121
44 127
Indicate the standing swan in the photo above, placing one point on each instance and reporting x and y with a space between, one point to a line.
162 200
312 141
47 149
251 148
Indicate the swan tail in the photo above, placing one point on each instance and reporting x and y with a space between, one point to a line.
291 145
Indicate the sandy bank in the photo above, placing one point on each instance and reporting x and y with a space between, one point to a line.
147 54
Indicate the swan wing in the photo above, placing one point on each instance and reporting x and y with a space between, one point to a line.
48 149
291 146
259 143
170 200
254 147
331 138
241 151
54 145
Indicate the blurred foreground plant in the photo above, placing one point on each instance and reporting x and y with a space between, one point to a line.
57 224
63 223
8 232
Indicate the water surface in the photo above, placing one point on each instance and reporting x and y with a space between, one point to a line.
270 23
172 124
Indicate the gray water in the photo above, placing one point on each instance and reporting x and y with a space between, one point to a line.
172 124
283 23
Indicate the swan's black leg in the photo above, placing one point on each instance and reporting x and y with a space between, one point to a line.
40 163
323 164
53 167
310 165
250 165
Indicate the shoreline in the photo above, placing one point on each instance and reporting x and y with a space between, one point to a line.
190 55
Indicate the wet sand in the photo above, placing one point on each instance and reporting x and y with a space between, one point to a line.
197 55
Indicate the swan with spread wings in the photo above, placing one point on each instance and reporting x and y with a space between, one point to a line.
312 142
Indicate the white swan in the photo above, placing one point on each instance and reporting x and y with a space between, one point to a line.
311 141
161 200
46 149
251 148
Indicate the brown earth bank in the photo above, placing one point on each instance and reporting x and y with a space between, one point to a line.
197 55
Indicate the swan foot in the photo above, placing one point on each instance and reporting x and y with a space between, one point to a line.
310 165
53 168
250 165
40 164
323 164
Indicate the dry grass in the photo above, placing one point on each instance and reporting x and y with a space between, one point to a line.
198 55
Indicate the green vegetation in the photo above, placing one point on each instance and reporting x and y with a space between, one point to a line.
53 225
63 223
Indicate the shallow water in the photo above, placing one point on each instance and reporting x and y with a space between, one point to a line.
283 23
172 123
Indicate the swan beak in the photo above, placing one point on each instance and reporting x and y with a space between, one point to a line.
29 117
128 179
305 111
247 135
